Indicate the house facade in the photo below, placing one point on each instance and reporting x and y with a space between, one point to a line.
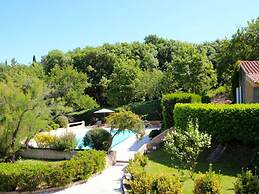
248 91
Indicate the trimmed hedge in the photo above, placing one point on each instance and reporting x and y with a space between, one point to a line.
33 175
169 101
150 110
224 122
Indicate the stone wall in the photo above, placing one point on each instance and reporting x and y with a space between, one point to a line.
48 154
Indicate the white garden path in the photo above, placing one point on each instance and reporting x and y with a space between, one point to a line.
109 181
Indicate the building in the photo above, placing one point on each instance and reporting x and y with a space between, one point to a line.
248 90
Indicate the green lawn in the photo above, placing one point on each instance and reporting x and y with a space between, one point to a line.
229 166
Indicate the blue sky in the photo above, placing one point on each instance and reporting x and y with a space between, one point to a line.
34 27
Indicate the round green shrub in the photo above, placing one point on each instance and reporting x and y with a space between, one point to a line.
141 183
98 139
247 183
62 121
166 184
154 133
208 183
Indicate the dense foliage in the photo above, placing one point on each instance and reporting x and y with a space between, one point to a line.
224 122
141 182
168 184
187 145
32 175
66 141
169 101
98 138
150 110
208 183
62 121
35 94
44 140
23 110
247 182
124 120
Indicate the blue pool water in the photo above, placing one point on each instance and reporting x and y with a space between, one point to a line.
116 140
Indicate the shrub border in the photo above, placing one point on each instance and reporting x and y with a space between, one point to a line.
53 189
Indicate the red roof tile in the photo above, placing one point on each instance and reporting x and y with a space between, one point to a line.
251 68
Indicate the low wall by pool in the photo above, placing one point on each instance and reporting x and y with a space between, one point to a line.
49 154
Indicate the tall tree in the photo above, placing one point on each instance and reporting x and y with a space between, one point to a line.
55 58
191 69
121 88
69 85
34 59
23 112
98 64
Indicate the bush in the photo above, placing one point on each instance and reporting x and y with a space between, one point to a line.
166 184
187 145
140 159
154 133
141 184
247 183
52 126
150 110
137 164
98 139
208 183
67 141
44 140
31 175
62 121
224 122
169 101
84 164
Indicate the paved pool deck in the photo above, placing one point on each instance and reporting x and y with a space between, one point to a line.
109 181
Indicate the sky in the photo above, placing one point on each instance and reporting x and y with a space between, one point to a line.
34 27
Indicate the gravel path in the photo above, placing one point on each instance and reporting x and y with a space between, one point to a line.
109 182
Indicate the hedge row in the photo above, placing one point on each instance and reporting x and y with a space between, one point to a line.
169 101
150 110
33 175
224 122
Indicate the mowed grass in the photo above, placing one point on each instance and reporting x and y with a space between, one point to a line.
228 167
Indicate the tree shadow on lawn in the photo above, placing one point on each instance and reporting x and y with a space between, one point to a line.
231 162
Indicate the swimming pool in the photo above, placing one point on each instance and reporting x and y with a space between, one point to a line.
116 140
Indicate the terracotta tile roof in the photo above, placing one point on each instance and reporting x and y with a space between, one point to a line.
251 68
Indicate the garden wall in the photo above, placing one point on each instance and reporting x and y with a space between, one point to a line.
224 122
48 154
